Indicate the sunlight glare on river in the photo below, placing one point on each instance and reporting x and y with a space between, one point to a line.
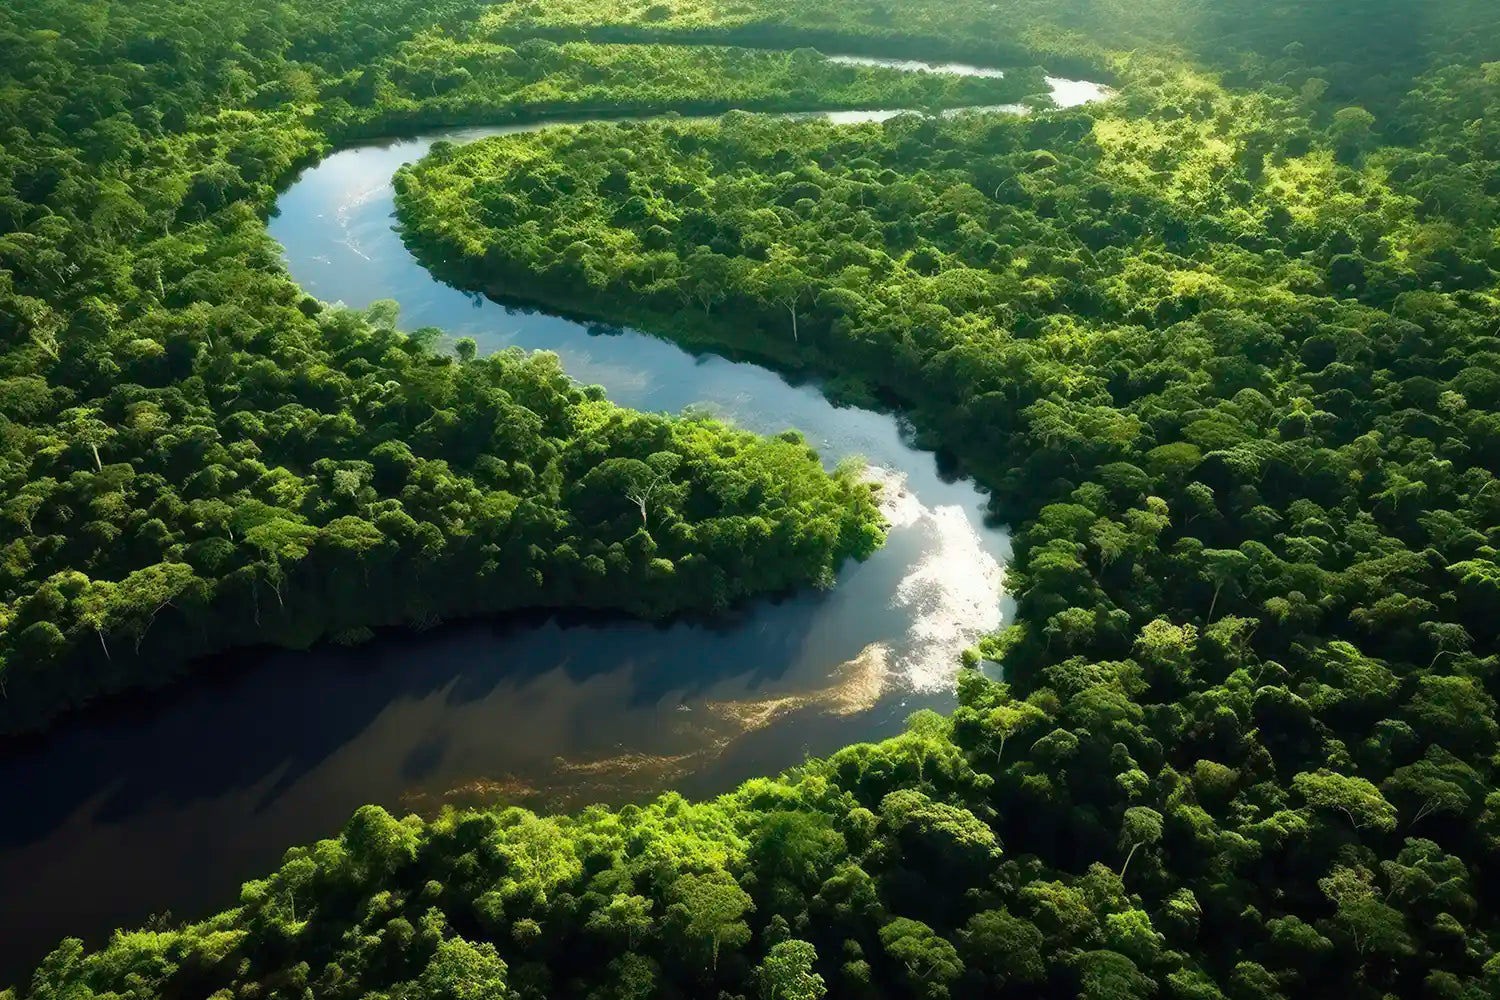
949 596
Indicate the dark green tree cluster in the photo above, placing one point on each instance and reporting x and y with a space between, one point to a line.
440 78
1070 36
1367 51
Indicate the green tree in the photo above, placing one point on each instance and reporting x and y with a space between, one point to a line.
1359 800
710 908
625 916
1140 826
786 973
83 426
1006 948
1222 567
780 280
459 970
928 963
1108 975
1437 783
377 845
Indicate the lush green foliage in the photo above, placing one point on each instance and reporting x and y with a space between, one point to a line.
438 78
1367 50
1232 352
1225 347
188 441
880 872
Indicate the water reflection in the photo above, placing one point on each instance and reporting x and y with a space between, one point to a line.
173 800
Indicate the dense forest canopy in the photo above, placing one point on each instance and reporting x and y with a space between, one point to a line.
198 456
1225 347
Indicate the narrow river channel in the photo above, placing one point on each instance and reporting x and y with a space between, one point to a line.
166 801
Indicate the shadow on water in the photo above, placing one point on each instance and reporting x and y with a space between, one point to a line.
275 748
261 712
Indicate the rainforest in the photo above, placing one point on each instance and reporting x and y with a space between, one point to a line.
1196 298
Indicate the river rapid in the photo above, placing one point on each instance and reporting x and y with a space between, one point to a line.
166 801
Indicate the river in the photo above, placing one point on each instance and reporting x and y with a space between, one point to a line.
166 801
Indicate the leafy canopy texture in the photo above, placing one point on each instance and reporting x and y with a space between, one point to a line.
195 456
1224 347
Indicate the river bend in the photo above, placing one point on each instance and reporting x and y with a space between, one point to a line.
166 801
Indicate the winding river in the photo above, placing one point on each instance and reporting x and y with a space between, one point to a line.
165 802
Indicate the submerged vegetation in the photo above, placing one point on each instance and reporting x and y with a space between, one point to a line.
1225 347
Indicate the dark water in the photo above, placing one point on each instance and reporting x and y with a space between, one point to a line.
166 802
